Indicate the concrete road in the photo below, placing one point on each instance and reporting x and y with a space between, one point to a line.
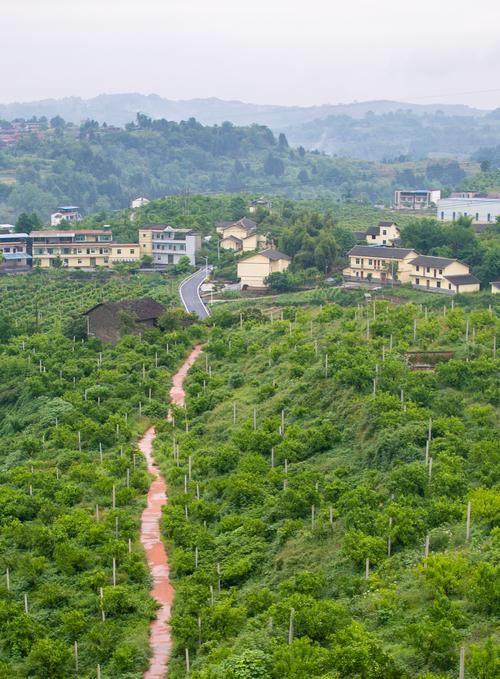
189 291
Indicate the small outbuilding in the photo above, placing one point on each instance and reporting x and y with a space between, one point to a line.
495 287
112 320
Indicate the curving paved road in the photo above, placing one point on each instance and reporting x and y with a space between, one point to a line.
189 291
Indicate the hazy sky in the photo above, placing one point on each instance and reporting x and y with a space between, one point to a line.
265 51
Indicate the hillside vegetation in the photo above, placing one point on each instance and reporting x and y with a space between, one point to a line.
301 454
73 485
100 168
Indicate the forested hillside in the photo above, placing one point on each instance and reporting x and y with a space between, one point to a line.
389 135
317 522
101 168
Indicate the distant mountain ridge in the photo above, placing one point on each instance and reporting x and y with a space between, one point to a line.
119 109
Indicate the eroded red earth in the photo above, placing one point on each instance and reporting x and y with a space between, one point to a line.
160 637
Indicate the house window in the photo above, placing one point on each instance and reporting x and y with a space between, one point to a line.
132 251
441 271
449 286
384 233
357 260
417 281
442 215
428 269
370 262
438 284
373 237
489 217
384 242
79 261
417 267
477 216
119 252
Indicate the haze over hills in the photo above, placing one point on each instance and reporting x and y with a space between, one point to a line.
370 130
119 109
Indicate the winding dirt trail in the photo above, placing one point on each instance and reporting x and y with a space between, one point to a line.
160 639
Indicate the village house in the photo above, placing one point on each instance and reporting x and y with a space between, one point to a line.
14 251
495 287
240 236
166 245
259 203
112 320
83 249
138 202
68 213
440 274
253 270
379 264
385 233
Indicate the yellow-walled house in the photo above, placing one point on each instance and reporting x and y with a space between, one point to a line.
86 248
252 271
240 236
441 274
241 228
252 242
386 233
495 287
379 264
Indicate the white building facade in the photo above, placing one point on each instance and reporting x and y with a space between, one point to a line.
167 245
484 210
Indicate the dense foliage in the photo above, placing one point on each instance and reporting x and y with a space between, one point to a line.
390 135
100 168
304 456
72 488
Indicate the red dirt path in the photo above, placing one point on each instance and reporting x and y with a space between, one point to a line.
160 639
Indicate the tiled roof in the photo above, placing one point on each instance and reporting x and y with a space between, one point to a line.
463 279
274 254
380 251
427 260
373 231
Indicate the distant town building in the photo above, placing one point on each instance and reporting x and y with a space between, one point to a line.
139 202
7 228
260 202
83 249
68 213
111 320
252 271
379 264
495 287
240 236
484 210
416 200
166 245
14 251
474 194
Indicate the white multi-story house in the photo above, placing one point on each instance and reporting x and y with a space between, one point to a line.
167 245
139 202
68 213
478 209
419 199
